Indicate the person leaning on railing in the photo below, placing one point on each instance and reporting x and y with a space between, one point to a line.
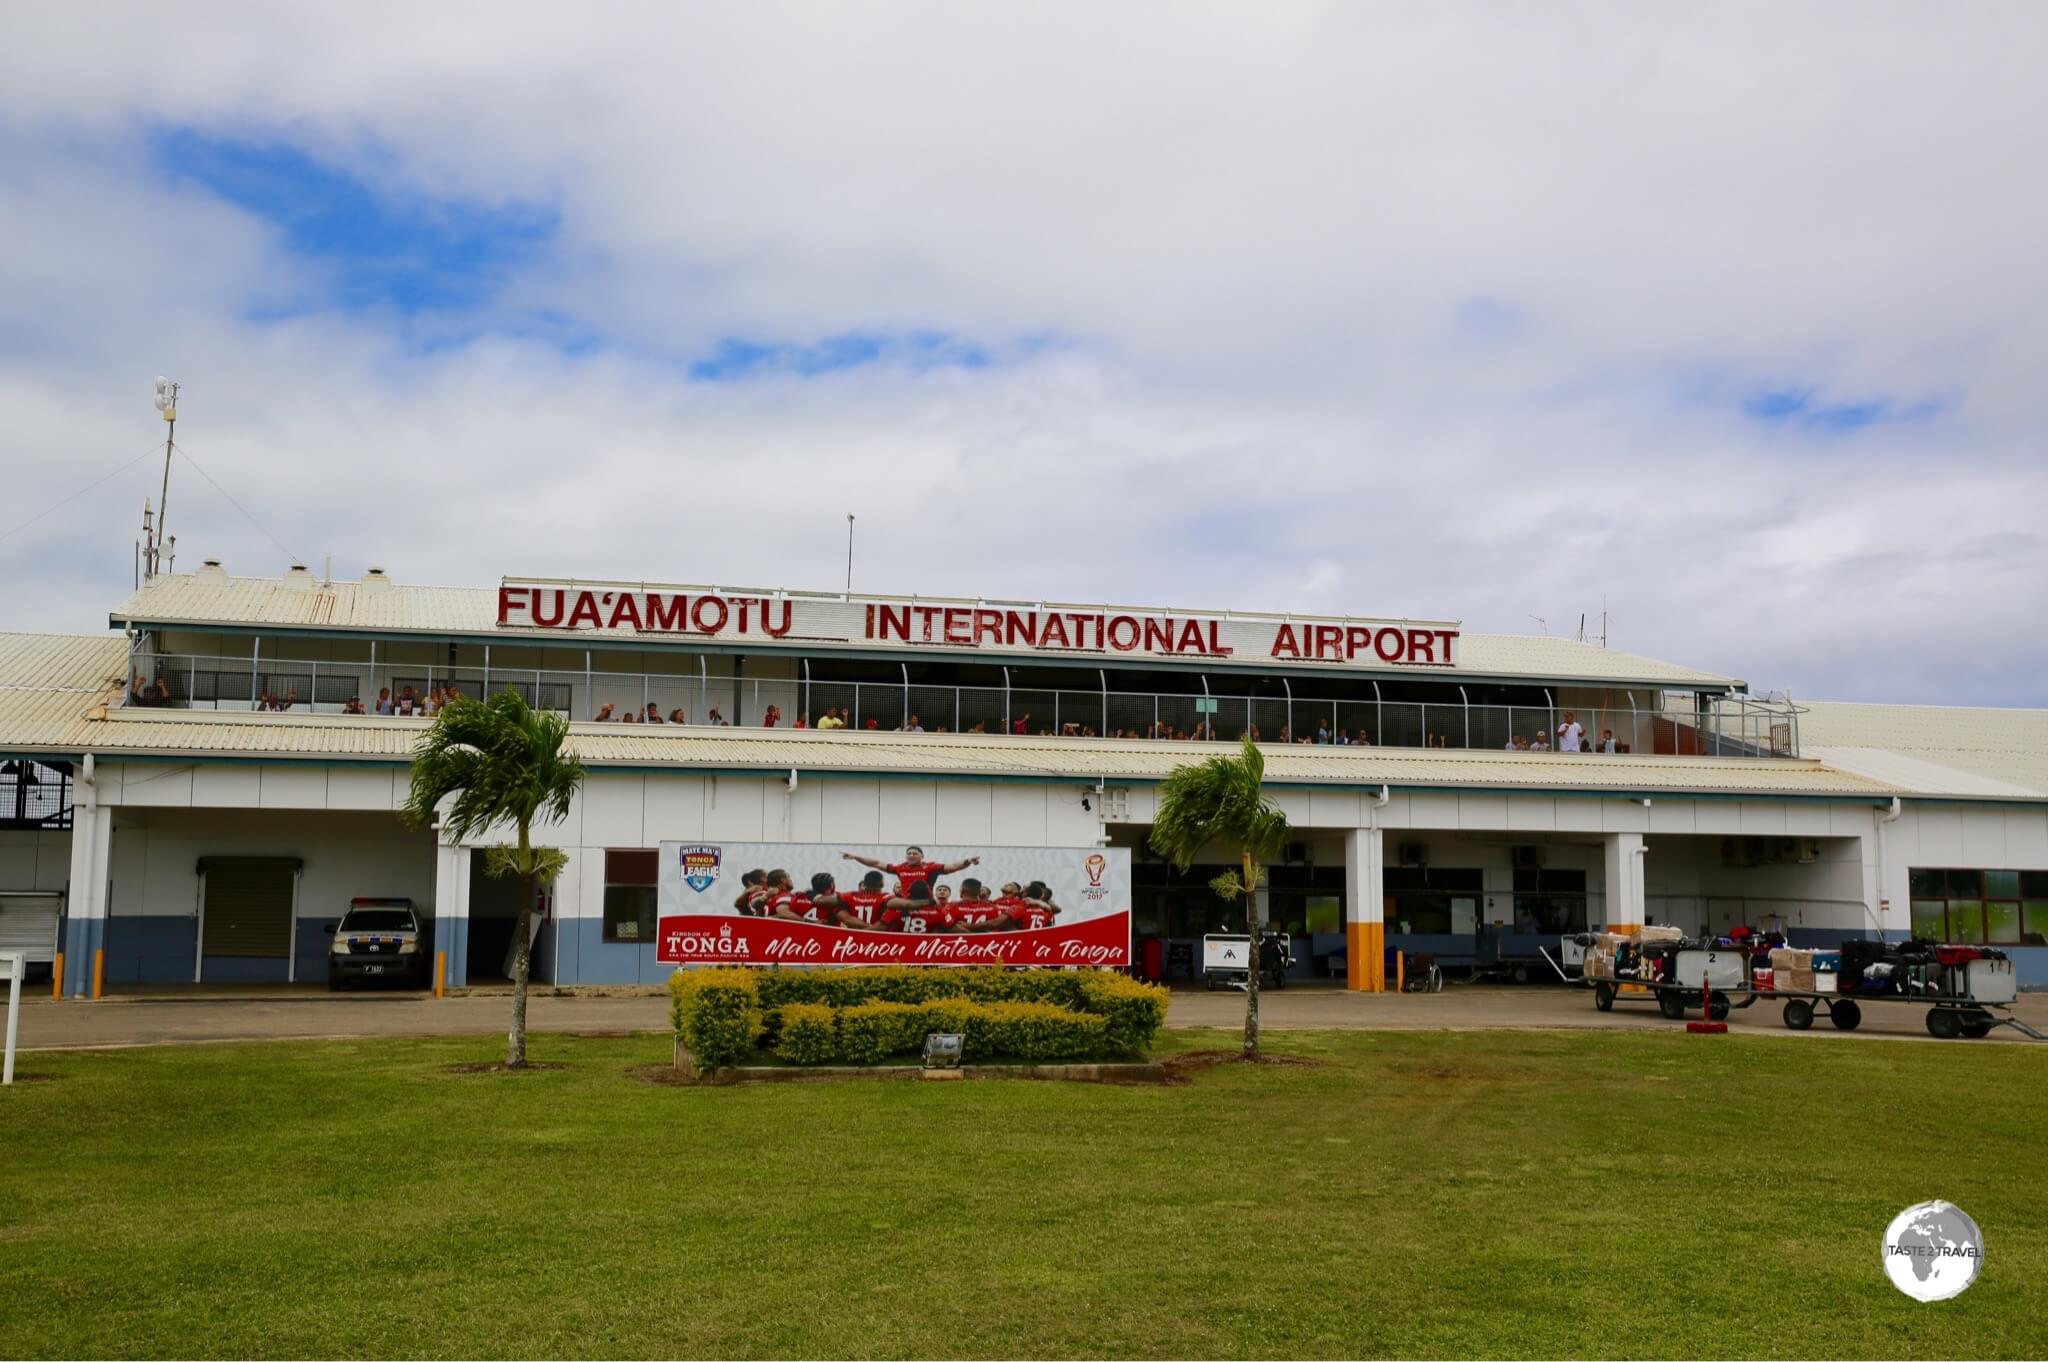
149 695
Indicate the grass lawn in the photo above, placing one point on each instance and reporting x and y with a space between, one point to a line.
1541 1194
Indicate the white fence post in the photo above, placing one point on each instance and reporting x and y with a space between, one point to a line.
17 965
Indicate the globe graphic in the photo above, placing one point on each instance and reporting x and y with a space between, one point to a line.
1932 1251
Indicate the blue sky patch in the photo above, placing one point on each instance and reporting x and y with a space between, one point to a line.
1487 319
1804 407
738 358
380 246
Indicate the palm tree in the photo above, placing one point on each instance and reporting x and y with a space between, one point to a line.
502 761
1221 800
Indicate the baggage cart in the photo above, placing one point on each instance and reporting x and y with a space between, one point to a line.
1226 959
1968 1000
1715 975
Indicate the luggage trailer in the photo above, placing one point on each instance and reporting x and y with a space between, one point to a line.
1973 997
1988 990
1947 1016
1715 975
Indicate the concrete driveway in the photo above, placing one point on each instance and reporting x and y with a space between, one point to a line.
280 1014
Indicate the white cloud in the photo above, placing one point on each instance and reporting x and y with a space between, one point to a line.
1257 235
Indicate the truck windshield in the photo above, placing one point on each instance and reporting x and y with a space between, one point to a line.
377 920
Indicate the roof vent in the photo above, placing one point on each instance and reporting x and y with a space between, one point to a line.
211 568
374 579
298 577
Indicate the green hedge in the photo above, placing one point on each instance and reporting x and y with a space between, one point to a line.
1042 1031
869 1032
716 1014
808 1034
815 1016
1132 1011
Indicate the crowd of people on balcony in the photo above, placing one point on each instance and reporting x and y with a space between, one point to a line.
1571 737
408 702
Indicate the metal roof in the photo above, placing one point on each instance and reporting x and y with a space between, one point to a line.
59 694
51 685
211 598
1961 749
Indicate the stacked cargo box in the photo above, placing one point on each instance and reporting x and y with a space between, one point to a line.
1791 970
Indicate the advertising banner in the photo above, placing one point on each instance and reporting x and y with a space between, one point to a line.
833 903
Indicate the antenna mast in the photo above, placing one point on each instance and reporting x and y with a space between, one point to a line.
153 549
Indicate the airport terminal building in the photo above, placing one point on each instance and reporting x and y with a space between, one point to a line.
182 831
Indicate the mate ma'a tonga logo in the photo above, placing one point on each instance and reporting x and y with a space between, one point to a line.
700 867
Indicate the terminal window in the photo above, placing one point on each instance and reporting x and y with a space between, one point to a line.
1420 897
1981 907
629 898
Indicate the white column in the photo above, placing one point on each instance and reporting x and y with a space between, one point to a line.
85 930
1365 951
451 912
1624 852
1887 889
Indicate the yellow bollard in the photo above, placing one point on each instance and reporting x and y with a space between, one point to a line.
57 978
1400 971
440 972
99 960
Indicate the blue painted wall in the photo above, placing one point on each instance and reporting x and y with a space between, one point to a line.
1824 938
242 969
77 957
311 951
1449 949
452 935
564 941
599 961
150 950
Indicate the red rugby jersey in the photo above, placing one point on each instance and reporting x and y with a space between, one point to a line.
907 874
866 904
1026 913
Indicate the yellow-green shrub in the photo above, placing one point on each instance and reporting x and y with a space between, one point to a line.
873 1031
716 1013
806 1033
1042 1031
1133 1011
962 1017
893 1007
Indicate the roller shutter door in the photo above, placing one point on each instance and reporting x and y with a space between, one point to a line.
248 907
28 923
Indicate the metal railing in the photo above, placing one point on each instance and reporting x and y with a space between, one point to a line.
33 795
1669 723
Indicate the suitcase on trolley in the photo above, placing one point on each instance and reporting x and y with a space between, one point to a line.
1987 981
1858 956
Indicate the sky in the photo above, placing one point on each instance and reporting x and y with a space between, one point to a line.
1730 319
